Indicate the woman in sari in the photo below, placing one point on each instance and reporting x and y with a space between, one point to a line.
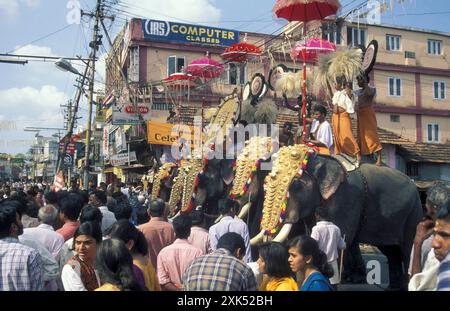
79 273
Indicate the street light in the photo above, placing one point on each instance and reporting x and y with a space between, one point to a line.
65 65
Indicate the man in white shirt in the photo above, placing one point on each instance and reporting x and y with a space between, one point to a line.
230 223
328 236
44 233
98 199
321 132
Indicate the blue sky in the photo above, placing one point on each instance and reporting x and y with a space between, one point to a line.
30 95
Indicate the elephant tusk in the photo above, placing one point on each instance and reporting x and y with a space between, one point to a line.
218 219
170 220
283 234
244 210
257 239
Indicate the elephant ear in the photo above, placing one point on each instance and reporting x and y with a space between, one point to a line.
329 174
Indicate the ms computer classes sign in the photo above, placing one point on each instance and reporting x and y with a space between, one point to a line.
183 33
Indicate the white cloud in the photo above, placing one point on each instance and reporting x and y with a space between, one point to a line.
11 8
37 73
32 104
186 11
31 49
28 106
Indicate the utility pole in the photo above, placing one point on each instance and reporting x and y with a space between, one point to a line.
96 41
73 118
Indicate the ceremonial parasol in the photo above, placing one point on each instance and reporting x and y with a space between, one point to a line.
310 51
241 52
179 81
205 67
305 11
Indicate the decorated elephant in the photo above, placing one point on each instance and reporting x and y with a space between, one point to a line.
163 181
374 205
203 179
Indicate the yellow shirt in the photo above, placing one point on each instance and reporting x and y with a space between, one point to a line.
280 284
108 287
150 278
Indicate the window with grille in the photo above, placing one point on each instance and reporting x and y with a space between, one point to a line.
395 86
332 32
395 118
392 43
409 54
433 133
356 36
434 47
175 64
439 90
412 169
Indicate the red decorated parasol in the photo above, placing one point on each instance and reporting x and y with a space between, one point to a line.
305 11
205 67
176 79
241 52
312 49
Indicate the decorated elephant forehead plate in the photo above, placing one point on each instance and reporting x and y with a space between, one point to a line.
247 163
177 190
285 167
163 173
225 118
190 182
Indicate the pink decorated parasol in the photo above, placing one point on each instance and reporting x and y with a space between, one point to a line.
205 67
311 51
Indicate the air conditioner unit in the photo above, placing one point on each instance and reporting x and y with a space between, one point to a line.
410 58
409 54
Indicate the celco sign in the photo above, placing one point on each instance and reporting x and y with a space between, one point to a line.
184 33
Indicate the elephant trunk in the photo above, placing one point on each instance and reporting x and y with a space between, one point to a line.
283 234
257 239
244 210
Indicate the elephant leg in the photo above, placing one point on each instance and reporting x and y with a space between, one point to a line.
354 267
397 275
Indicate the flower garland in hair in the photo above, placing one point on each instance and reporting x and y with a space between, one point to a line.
303 166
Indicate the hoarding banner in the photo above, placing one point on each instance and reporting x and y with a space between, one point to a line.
184 33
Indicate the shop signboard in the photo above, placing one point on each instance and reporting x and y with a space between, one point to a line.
123 158
157 30
159 133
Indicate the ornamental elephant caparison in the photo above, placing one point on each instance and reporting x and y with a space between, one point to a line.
374 205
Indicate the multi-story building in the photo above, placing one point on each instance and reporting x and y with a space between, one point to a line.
44 156
411 75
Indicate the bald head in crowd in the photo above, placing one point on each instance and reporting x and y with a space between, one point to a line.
48 214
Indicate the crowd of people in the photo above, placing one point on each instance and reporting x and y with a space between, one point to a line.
113 238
